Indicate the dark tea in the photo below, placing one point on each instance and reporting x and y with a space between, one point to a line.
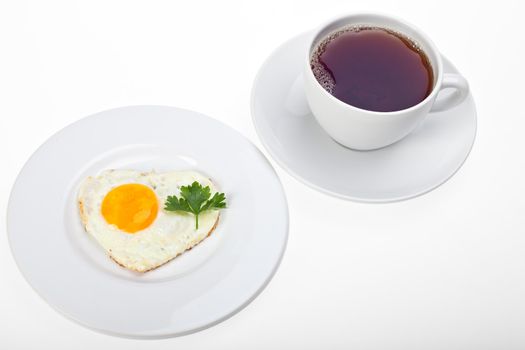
372 68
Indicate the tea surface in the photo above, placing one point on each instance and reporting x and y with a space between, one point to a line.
372 68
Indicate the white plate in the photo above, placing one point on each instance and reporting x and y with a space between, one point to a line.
417 164
196 290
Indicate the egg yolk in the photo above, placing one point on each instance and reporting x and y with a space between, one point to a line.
130 207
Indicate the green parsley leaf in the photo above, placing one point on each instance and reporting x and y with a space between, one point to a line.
195 199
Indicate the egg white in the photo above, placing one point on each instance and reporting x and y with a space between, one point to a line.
170 234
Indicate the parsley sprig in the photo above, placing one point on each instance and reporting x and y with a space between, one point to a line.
195 199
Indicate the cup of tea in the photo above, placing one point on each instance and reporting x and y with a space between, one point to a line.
372 79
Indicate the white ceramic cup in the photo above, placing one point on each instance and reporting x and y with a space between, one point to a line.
362 129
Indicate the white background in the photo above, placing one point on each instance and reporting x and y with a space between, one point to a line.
442 271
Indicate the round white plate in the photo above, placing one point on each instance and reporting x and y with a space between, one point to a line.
197 289
417 164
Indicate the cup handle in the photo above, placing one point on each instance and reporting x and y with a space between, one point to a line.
451 81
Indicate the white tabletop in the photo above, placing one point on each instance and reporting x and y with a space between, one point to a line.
442 271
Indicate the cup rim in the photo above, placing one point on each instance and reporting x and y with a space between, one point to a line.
439 62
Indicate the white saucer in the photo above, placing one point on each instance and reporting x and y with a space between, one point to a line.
198 289
417 164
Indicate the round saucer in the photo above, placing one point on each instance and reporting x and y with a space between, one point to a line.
422 161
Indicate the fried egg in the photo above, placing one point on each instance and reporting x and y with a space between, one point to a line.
123 211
